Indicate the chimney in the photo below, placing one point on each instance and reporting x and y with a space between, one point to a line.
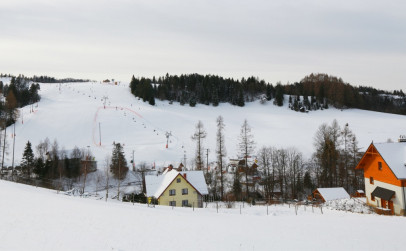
184 176
170 167
402 138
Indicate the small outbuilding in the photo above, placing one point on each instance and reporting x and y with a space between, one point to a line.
331 193
359 193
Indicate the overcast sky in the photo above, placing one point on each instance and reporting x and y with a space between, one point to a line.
363 42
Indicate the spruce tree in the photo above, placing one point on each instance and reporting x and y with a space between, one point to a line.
27 161
118 164
279 95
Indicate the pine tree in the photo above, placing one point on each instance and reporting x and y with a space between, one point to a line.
307 181
279 95
151 100
39 167
240 100
27 162
237 186
133 85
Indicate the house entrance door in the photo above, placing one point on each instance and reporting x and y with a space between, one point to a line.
391 206
383 203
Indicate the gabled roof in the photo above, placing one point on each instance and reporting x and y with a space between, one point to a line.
333 193
197 180
156 185
394 154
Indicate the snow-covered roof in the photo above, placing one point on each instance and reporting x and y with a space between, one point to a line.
333 193
196 178
156 185
394 155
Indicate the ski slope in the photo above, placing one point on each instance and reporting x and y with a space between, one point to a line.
40 219
72 113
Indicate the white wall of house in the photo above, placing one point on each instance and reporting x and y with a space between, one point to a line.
398 201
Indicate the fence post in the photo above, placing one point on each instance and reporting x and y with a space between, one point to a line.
217 206
266 209
321 209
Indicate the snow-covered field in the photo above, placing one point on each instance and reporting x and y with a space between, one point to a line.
72 113
39 219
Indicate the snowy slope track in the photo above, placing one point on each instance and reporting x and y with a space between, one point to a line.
96 122
71 113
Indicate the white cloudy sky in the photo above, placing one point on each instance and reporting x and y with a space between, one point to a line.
364 42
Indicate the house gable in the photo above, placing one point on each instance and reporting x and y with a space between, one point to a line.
379 172
192 195
171 185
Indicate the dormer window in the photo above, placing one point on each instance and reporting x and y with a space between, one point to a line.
380 166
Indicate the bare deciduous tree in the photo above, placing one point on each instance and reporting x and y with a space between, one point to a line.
246 148
221 152
198 136
107 173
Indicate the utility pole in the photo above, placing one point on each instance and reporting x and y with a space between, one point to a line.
184 159
99 135
87 159
119 176
14 142
4 144
133 162
207 161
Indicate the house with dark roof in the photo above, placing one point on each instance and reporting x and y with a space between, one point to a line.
178 189
384 166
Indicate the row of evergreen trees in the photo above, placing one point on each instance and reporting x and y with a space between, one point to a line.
20 92
54 164
44 79
318 91
194 88
321 90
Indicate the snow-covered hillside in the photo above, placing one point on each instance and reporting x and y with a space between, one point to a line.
39 219
72 113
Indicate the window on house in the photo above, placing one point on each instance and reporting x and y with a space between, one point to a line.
178 180
172 192
184 191
172 203
185 203
372 197
371 180
380 166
